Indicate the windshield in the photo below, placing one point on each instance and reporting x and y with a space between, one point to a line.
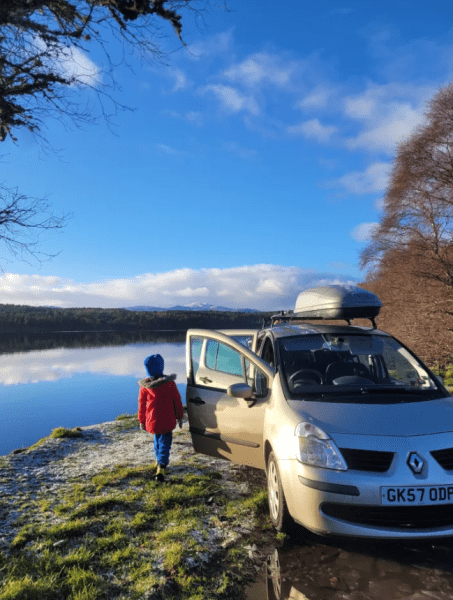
328 363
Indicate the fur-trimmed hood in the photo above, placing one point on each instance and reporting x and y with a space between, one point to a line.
154 382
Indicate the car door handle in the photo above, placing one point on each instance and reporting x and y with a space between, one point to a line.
205 380
196 401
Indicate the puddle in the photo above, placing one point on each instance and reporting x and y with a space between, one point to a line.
307 570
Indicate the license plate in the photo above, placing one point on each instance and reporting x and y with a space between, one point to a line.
417 496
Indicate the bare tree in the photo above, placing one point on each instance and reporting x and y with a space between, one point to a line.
22 221
418 205
44 64
415 312
43 45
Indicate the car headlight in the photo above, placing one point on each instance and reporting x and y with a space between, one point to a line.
316 449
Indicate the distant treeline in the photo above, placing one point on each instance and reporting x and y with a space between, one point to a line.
11 343
30 319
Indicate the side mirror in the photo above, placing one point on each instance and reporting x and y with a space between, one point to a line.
240 390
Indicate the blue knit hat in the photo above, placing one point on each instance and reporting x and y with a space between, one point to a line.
154 365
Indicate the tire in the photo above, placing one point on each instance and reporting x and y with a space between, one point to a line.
274 577
278 510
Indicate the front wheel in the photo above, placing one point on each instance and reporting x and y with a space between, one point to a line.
278 510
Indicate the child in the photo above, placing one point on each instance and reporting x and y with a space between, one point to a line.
159 409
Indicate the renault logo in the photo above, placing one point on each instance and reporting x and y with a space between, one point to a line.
415 462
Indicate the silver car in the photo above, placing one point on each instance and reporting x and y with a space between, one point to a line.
354 432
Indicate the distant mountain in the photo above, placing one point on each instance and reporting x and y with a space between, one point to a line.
144 308
202 306
193 306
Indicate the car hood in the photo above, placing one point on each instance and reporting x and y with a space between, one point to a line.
404 419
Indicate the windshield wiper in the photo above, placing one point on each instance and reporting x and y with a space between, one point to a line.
396 389
357 390
360 389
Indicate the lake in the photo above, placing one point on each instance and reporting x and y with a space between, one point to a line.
71 379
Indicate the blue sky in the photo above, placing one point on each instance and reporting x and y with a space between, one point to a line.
253 166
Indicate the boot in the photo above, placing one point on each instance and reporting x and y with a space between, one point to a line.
160 475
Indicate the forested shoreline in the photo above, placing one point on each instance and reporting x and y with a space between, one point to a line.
412 311
38 319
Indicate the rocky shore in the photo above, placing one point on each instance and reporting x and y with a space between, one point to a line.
56 483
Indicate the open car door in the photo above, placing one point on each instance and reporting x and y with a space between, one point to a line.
221 371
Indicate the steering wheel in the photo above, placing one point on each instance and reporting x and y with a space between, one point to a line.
304 374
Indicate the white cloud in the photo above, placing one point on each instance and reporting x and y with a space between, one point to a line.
364 231
232 100
73 63
313 129
373 180
380 116
385 133
180 80
317 98
360 107
76 63
188 292
262 68
387 114
243 87
264 287
165 149
52 365
271 286
376 118
215 45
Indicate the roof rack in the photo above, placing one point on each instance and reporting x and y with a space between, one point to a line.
288 316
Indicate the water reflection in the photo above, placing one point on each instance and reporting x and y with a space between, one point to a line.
356 570
63 362
52 382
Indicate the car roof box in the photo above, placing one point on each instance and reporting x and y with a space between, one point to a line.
337 302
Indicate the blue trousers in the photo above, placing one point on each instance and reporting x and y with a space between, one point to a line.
162 446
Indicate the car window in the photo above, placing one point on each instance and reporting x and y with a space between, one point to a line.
221 357
400 367
245 340
362 364
267 352
196 345
228 360
211 353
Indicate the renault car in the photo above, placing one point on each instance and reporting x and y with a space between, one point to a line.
354 432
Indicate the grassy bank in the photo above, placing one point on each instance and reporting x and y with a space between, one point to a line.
120 534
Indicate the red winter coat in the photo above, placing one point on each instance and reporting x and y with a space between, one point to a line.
159 404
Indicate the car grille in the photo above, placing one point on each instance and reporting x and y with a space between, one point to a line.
367 460
392 517
444 458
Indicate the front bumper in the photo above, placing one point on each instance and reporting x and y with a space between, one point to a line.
349 503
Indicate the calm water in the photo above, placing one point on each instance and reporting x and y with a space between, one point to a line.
76 379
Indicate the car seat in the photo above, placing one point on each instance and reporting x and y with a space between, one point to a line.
345 369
